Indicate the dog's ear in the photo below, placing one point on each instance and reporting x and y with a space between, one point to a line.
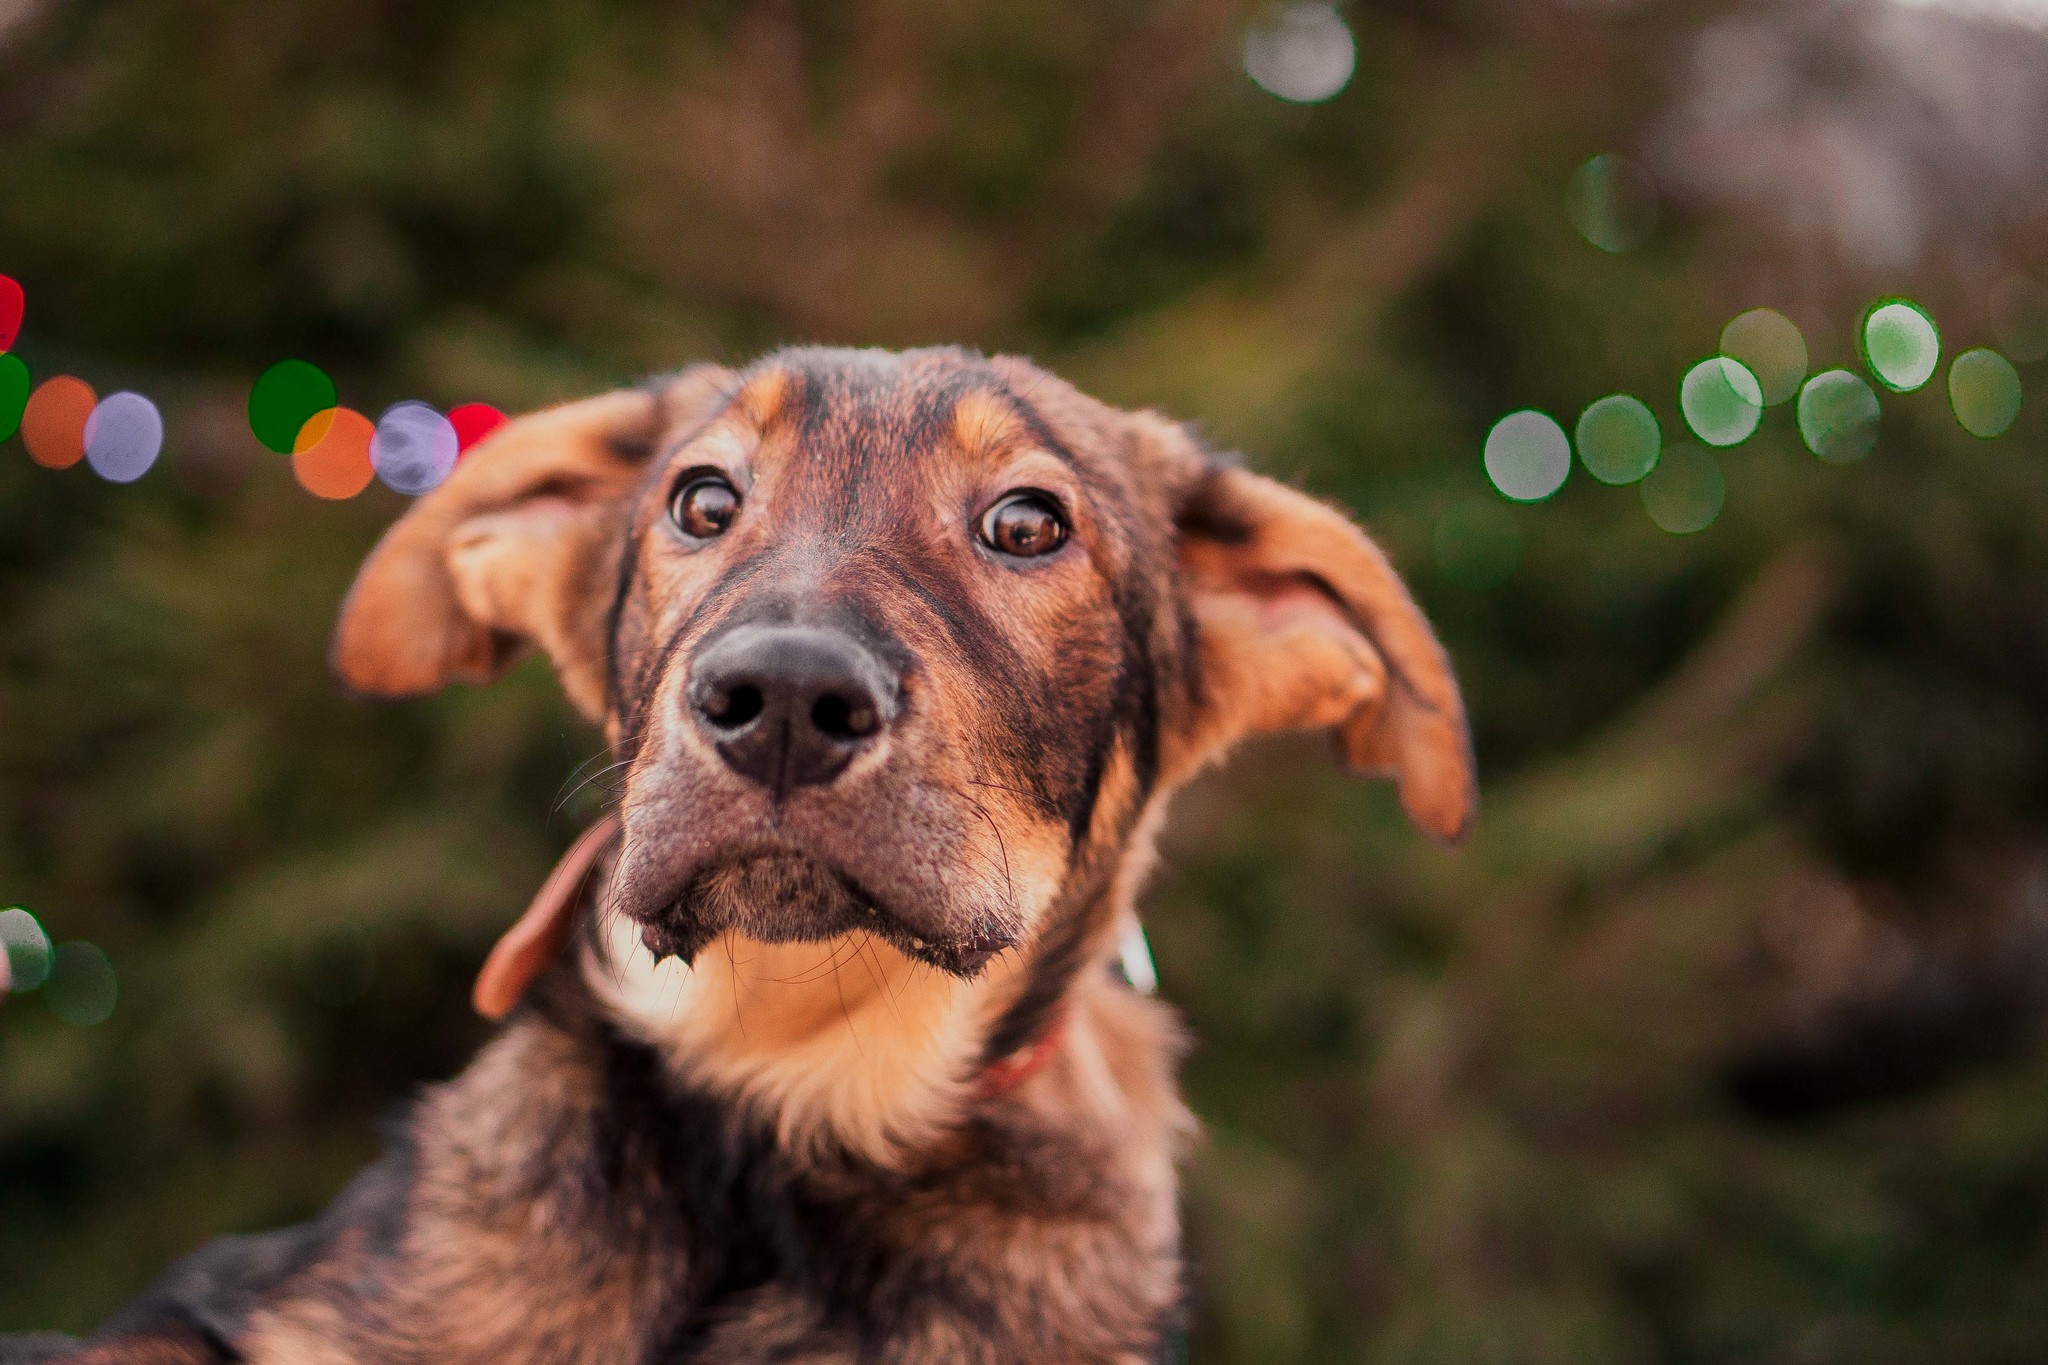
516 549
1301 623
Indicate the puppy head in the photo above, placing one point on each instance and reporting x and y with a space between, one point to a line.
904 644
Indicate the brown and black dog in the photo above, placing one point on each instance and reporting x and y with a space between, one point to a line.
902 655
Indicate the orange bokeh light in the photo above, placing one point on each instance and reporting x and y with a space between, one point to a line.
331 456
53 423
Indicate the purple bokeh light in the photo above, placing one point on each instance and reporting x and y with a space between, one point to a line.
123 437
414 447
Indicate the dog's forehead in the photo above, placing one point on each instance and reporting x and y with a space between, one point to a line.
860 414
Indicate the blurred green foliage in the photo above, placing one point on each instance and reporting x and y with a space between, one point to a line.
1717 1042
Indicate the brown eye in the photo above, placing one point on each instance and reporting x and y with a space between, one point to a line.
705 506
1024 525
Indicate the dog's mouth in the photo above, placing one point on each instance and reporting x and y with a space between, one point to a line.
776 895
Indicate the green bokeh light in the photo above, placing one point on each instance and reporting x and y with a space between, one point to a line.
1771 345
1619 439
1838 416
1528 455
14 390
1684 494
1901 345
1477 544
82 989
1984 390
26 949
1721 401
283 397
1612 203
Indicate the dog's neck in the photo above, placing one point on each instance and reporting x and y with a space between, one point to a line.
845 1041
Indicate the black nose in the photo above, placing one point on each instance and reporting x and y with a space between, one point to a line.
789 706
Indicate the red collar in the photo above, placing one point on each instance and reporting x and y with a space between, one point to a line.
1005 1074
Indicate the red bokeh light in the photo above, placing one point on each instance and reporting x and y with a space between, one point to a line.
473 422
12 305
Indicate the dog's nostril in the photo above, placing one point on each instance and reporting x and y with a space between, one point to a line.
737 706
837 718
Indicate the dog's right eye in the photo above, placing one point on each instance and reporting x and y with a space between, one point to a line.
704 507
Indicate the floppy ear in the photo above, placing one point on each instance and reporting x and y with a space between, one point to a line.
516 549
1301 623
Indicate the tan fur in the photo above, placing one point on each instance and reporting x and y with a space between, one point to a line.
983 426
847 1040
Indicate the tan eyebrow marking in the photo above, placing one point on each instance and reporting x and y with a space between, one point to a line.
984 424
764 397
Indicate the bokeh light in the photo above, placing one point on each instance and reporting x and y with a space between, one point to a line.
1303 52
1984 390
331 454
14 387
1721 400
315 430
414 448
24 950
1771 345
283 397
1901 345
53 421
13 303
1619 439
2019 318
1838 416
1612 203
1684 494
1477 544
473 422
123 437
82 989
1528 456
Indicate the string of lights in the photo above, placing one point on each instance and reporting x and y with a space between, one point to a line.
1762 362
294 411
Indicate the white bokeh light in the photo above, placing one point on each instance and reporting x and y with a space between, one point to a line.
2032 12
1301 52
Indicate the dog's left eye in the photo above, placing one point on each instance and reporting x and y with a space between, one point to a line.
705 506
1024 525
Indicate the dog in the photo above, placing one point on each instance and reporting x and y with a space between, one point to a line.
816 1050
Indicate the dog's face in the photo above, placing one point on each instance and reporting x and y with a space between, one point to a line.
900 644
882 636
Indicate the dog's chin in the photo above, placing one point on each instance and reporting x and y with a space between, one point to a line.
782 897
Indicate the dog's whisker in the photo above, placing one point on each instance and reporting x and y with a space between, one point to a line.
810 974
1014 791
882 980
592 779
1009 887
896 992
576 775
840 988
733 976
613 962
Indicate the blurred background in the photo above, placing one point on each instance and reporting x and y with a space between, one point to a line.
1720 1041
